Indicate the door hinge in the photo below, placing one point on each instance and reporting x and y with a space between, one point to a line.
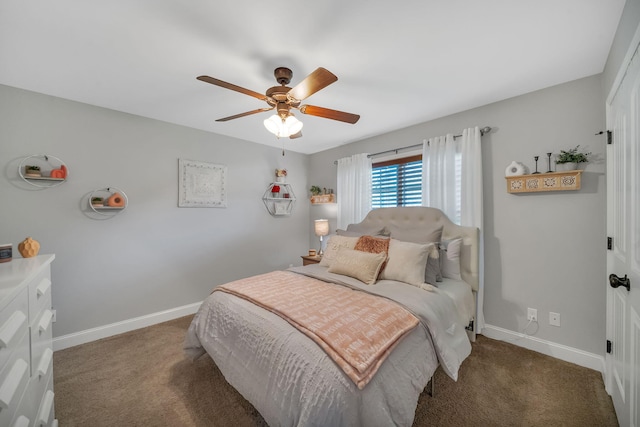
609 137
609 243
609 347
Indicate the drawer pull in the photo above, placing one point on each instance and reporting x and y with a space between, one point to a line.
45 362
11 327
22 421
45 321
45 410
12 382
43 287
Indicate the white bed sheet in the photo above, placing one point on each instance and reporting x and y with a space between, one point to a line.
463 298
292 382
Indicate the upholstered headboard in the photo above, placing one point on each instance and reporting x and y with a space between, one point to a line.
417 223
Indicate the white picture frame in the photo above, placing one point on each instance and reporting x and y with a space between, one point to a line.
201 184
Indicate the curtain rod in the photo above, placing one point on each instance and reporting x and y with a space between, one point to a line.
484 130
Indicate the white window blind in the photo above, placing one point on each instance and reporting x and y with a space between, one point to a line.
397 183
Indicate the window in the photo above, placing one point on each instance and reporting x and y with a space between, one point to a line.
397 182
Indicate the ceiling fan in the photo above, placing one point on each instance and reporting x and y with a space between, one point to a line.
283 98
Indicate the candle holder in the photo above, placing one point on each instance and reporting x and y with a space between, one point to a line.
549 156
536 159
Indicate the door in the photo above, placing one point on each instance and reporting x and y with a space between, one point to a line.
622 374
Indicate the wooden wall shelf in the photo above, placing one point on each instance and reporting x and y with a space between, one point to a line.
323 198
551 181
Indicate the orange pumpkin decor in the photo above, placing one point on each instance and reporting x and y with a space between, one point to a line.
29 248
59 173
116 200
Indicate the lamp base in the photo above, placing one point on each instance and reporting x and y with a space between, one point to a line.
321 251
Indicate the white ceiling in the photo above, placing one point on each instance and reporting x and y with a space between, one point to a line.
398 64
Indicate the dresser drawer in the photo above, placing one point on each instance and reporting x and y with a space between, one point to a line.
40 292
46 412
13 323
32 400
14 378
41 337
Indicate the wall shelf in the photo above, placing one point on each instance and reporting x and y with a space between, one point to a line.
551 181
105 194
47 165
323 198
281 201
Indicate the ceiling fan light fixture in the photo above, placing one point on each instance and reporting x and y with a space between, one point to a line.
283 128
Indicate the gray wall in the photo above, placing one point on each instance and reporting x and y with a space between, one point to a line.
153 256
547 250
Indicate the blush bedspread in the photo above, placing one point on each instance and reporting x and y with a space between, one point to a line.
356 329
291 381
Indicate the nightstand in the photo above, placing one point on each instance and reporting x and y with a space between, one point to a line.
306 260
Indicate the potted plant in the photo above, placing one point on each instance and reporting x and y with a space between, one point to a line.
315 190
571 159
281 175
31 170
97 202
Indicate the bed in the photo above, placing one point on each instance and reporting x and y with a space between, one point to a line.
293 380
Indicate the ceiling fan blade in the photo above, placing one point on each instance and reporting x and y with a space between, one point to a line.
295 135
315 81
226 85
329 114
248 113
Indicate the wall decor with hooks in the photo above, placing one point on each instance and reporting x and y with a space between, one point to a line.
108 201
43 170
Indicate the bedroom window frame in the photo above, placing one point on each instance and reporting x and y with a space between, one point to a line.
404 178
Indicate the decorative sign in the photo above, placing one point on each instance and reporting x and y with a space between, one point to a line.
202 185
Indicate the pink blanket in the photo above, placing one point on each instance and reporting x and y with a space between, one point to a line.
356 329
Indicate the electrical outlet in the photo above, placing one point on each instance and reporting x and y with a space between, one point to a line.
53 318
532 314
554 319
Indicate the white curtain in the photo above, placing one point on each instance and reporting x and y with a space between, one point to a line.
471 201
354 189
439 187
452 182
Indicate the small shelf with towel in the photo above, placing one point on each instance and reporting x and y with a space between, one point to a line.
550 181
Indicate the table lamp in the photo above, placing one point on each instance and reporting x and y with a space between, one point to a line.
321 228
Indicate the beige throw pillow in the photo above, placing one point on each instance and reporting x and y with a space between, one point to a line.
407 262
363 266
333 245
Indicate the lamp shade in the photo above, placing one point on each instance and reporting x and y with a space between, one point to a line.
283 128
321 227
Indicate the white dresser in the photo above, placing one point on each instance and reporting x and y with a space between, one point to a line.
26 353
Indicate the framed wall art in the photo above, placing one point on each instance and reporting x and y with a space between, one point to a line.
201 184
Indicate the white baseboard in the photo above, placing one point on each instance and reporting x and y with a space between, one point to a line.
559 351
82 337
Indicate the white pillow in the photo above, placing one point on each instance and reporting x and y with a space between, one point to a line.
333 245
363 266
407 262
450 258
